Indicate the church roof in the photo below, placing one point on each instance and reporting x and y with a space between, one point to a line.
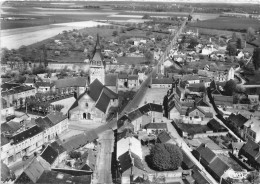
111 79
100 94
97 56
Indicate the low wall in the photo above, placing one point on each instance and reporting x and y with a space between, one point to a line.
166 175
240 162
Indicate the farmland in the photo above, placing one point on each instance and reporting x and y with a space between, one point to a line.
228 23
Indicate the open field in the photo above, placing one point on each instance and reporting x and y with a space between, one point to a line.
228 23
15 38
212 32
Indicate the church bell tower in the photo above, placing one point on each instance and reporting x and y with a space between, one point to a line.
97 64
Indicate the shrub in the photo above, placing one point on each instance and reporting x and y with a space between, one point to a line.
74 154
164 157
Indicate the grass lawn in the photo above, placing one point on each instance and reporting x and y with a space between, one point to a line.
212 32
228 23
193 128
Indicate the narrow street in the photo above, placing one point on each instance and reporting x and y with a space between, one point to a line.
102 174
187 150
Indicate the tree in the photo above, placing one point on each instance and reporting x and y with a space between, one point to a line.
189 18
58 107
165 157
148 57
146 16
74 154
250 34
122 30
256 58
239 43
165 106
193 42
115 33
232 49
230 87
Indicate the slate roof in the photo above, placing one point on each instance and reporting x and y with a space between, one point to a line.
237 119
80 140
56 117
49 154
95 89
16 90
5 171
132 77
163 137
218 167
71 82
56 146
110 93
43 123
187 161
134 115
128 160
4 140
162 81
111 79
156 126
201 102
199 178
122 76
216 126
61 177
103 102
223 100
190 77
26 134
97 55
10 126
8 86
252 150
206 153
44 84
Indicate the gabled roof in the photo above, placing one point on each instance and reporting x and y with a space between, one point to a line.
71 82
187 161
26 134
156 126
103 102
80 140
156 107
238 119
198 176
57 147
110 93
163 137
49 154
44 84
201 102
56 117
206 153
122 76
215 125
95 88
134 115
162 81
252 150
4 140
128 160
194 108
5 172
43 123
61 177
218 166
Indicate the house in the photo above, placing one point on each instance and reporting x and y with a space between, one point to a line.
23 139
129 143
196 114
221 100
142 116
128 81
250 152
111 82
63 176
33 171
49 155
13 93
44 87
216 126
251 130
30 81
165 137
80 140
7 109
92 106
237 121
207 50
213 164
155 128
71 85
162 83
131 167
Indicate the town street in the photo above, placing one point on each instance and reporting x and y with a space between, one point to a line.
102 174
187 150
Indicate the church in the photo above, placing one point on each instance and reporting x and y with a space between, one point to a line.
92 106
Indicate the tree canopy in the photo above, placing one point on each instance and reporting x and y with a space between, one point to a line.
230 87
232 49
256 58
165 157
